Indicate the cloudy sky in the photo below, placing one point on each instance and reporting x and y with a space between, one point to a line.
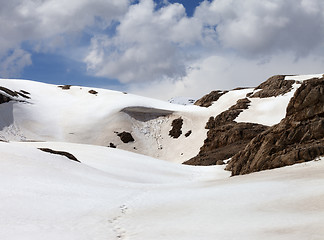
160 48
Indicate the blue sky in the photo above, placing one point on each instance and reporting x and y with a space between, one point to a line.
161 48
56 68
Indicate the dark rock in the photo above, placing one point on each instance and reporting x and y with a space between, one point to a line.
224 141
299 137
24 92
229 115
274 86
4 99
225 136
188 133
175 132
62 153
9 92
93 92
208 99
220 162
126 137
65 87
23 95
112 145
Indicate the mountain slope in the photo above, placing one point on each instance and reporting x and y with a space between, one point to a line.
113 194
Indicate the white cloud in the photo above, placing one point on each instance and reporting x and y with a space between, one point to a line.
255 28
14 62
225 44
225 73
149 44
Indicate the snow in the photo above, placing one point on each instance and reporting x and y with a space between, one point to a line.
117 194
77 116
303 77
267 111
114 194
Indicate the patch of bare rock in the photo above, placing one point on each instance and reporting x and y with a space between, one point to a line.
125 137
65 87
176 131
225 136
10 95
274 86
207 100
298 138
62 153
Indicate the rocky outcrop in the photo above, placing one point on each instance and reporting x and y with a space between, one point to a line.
225 136
176 132
10 95
92 91
125 137
207 100
62 153
274 86
4 99
65 87
299 137
224 141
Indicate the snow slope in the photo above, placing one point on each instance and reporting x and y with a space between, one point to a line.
116 194
113 194
77 116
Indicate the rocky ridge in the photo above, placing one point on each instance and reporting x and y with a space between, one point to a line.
299 137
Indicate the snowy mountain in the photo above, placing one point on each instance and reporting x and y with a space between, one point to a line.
86 163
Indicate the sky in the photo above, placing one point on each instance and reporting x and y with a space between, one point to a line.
161 48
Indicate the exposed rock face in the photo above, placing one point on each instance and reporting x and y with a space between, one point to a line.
176 132
12 95
65 87
62 153
92 91
112 145
299 137
4 99
274 86
126 137
208 99
226 137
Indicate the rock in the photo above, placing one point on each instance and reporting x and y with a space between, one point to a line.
125 137
274 86
225 136
65 87
112 145
208 99
229 115
299 137
62 153
225 141
188 133
176 132
9 92
220 162
4 99
93 92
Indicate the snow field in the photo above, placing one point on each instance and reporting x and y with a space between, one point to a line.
114 194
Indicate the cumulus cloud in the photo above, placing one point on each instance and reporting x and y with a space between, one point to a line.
14 62
257 28
225 73
149 44
145 46
45 24
154 45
